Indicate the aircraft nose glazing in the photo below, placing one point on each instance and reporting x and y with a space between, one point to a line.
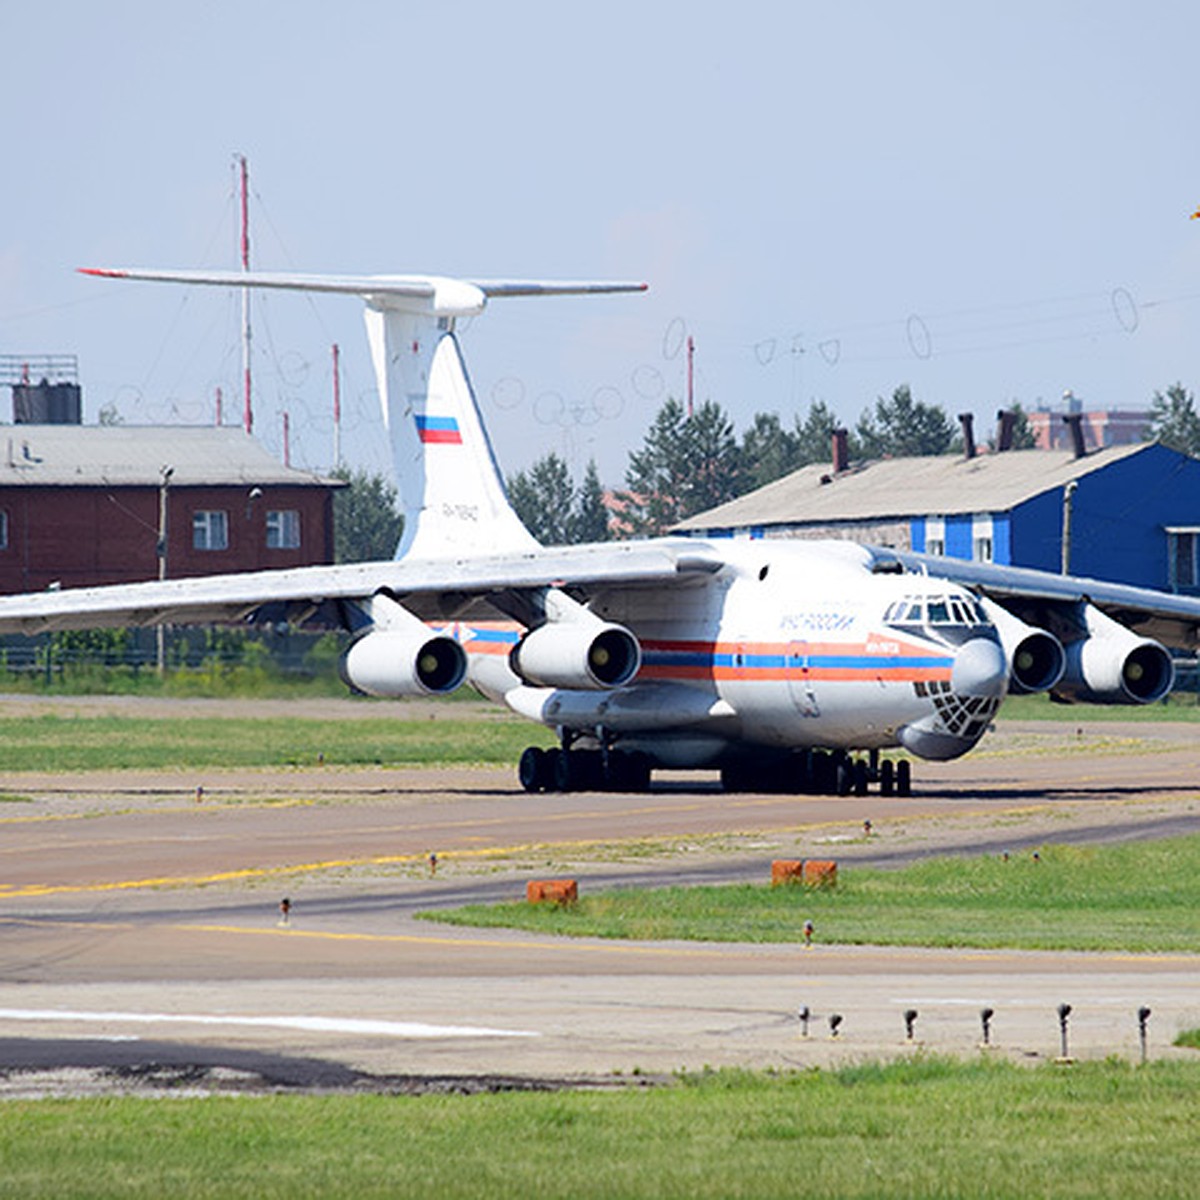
979 669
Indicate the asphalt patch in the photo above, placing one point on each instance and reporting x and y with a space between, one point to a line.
43 1068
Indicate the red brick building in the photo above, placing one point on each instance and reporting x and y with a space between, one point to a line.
80 505
1101 428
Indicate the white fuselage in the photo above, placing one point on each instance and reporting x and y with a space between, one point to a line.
788 646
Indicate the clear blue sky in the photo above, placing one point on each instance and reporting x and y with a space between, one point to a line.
985 201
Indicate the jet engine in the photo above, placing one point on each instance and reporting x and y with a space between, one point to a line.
587 655
1112 665
1036 658
404 662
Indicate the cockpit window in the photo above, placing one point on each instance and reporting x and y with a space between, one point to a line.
960 610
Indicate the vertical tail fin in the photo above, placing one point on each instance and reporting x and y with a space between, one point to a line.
450 486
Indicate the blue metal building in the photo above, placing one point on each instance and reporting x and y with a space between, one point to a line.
1132 512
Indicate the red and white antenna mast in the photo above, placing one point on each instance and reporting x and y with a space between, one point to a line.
337 410
247 411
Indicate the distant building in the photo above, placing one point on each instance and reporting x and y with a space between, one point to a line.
1135 510
1100 428
79 505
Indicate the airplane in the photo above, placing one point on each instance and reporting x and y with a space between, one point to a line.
786 666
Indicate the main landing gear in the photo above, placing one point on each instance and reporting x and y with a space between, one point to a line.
567 770
821 773
810 772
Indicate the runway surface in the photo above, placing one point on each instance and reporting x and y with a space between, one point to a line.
133 914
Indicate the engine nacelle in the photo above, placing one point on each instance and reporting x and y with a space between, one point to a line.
1112 665
404 662
1036 658
577 655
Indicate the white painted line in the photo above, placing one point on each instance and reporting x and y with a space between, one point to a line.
396 1029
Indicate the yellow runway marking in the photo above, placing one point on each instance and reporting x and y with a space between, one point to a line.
411 939
708 950
562 847
163 881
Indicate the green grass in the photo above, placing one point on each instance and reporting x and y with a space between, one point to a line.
918 1127
1141 896
1180 706
215 680
1189 1039
79 743
383 735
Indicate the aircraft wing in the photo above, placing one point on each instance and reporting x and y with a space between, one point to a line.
430 588
1171 619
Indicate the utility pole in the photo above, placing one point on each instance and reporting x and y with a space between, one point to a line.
164 488
1068 505
691 375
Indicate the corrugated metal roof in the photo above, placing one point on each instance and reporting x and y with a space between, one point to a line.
908 487
134 455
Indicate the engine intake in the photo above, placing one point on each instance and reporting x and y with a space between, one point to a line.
404 662
1036 658
588 655
1112 665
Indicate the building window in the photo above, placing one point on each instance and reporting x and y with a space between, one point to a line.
210 529
935 535
982 532
1181 559
3 529
283 530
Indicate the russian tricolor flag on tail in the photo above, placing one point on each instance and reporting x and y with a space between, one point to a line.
439 430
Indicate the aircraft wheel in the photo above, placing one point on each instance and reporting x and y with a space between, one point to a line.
735 778
844 775
614 773
802 780
904 778
640 766
566 770
859 771
550 764
629 771
887 777
531 769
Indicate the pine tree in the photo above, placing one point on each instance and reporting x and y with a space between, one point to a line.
590 515
814 438
1174 420
686 465
904 428
544 498
366 523
768 450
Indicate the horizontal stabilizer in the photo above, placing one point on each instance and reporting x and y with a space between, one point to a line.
435 295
